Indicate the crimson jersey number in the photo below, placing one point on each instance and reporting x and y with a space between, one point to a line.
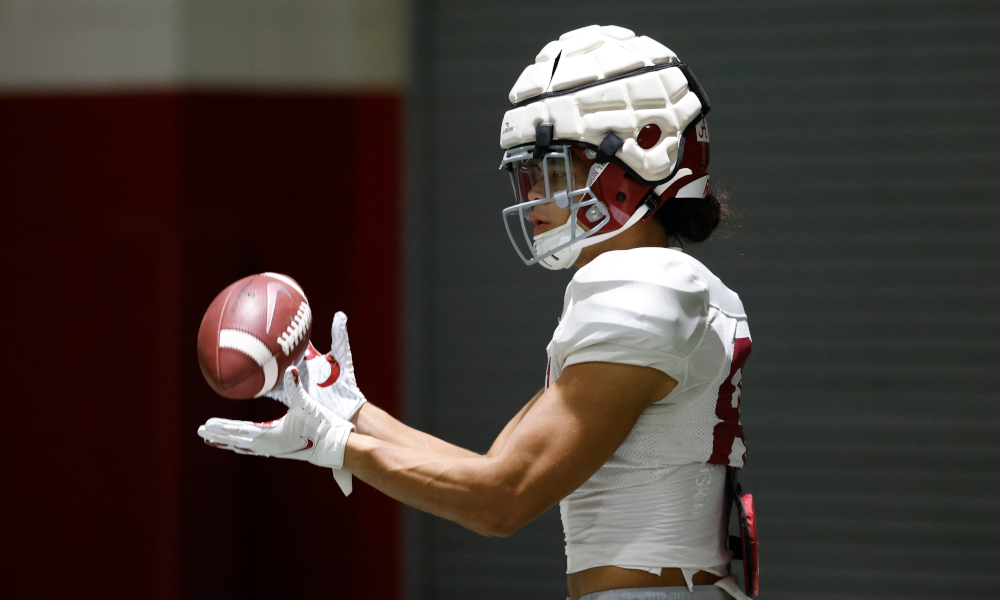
728 447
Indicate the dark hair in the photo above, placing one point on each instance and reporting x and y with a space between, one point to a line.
694 219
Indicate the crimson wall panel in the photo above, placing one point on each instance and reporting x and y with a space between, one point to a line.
124 216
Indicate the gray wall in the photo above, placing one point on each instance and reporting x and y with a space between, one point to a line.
859 141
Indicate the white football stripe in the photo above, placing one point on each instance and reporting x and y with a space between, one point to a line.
270 376
242 341
286 280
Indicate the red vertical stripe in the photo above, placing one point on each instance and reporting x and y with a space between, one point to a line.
726 432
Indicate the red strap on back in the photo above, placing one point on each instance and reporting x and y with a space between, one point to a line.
746 547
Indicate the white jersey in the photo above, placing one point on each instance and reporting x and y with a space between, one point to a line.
658 501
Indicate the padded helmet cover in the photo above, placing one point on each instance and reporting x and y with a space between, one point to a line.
563 87
602 94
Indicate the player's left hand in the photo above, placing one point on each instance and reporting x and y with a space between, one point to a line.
329 378
308 431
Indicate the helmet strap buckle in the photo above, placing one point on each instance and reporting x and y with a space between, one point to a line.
609 147
651 202
543 139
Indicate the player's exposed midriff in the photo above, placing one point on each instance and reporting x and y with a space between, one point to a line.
599 579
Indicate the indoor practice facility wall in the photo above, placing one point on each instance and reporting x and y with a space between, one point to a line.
859 142
124 215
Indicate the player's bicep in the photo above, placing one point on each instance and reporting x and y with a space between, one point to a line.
501 441
573 428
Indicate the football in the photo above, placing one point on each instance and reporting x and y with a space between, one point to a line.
252 331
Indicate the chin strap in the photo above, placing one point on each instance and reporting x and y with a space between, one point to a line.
601 237
553 238
564 259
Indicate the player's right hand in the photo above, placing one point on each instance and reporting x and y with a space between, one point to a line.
308 431
329 378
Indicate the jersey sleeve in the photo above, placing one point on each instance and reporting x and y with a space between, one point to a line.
634 312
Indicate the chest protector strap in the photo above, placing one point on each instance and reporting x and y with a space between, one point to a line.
744 547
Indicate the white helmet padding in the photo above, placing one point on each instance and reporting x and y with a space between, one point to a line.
626 107
597 80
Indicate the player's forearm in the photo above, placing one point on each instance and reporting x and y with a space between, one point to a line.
375 422
470 491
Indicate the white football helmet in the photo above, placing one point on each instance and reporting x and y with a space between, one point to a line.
626 107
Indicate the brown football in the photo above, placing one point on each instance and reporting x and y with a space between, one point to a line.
254 330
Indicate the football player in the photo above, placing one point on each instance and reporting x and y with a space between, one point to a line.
607 149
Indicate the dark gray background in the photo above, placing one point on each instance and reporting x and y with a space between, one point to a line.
860 142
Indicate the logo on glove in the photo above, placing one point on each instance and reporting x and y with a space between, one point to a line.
309 444
334 372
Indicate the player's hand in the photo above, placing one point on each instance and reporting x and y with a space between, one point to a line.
308 431
329 378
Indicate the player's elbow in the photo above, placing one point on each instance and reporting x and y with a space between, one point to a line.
497 525
488 528
502 516
508 525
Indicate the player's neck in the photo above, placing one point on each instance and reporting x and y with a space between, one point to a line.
641 235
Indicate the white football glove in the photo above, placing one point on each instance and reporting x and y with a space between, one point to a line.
308 431
329 378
